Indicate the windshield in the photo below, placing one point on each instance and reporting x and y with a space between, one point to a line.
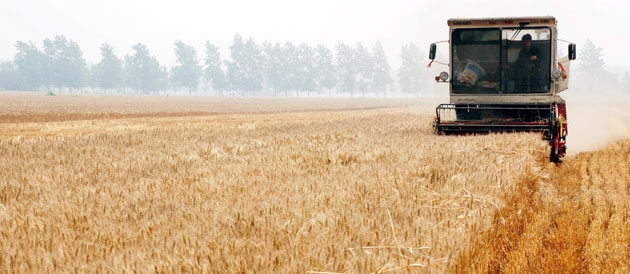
495 60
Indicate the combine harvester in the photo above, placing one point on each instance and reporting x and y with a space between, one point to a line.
506 78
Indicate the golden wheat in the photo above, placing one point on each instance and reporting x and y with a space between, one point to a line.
273 191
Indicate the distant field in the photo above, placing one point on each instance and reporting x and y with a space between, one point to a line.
39 107
105 183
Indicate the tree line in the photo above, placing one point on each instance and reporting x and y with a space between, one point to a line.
593 78
250 68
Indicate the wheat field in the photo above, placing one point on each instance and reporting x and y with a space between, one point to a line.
95 183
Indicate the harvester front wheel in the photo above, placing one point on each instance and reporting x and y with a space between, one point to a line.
554 158
558 147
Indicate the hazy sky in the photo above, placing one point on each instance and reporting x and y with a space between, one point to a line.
158 24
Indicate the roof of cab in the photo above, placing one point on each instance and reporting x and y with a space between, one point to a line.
502 21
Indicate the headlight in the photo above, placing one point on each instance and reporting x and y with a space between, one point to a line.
556 74
443 76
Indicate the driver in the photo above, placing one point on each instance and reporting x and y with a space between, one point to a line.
529 76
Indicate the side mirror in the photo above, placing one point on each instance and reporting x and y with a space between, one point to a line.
572 51
432 50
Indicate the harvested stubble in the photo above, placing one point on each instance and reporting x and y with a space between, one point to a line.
577 220
289 192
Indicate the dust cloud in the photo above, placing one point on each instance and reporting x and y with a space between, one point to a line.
596 120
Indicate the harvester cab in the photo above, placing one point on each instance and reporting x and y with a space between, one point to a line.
505 76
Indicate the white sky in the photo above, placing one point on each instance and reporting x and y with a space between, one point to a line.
158 24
